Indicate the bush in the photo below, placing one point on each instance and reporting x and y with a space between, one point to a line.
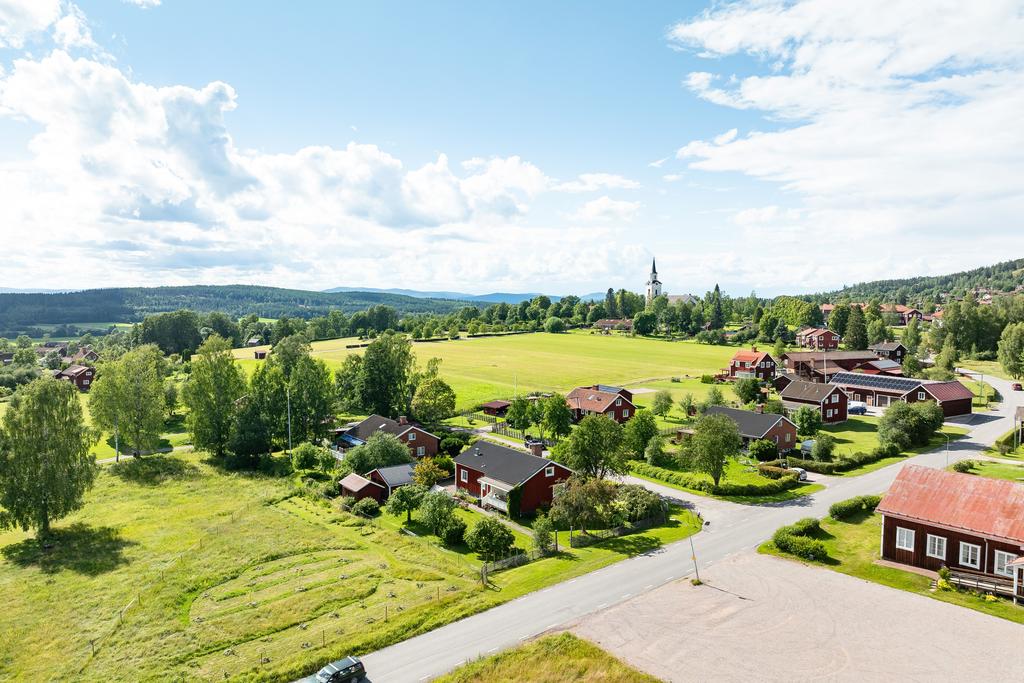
490 539
367 507
554 325
699 483
794 539
636 502
824 447
453 444
306 456
346 502
763 450
707 379
806 526
845 509
963 466
843 463
772 472
453 532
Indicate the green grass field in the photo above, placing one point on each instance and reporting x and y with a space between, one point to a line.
561 658
853 548
987 367
999 470
232 573
496 367
738 473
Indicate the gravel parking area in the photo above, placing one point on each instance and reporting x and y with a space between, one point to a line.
761 618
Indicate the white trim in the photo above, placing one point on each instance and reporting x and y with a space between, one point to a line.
1009 557
977 555
904 545
549 471
464 477
928 547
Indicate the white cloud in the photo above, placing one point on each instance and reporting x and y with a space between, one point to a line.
605 209
72 30
21 19
592 182
895 119
144 4
673 177
657 163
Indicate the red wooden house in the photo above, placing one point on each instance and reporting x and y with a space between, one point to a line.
79 375
972 525
882 391
752 364
496 408
830 399
601 399
421 443
894 351
754 426
490 471
818 338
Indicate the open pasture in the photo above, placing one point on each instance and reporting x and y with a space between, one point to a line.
485 368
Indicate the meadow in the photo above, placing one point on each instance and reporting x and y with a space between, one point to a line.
177 569
486 368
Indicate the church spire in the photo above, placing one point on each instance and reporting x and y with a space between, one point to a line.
654 267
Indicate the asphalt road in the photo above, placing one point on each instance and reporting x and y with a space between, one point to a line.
732 528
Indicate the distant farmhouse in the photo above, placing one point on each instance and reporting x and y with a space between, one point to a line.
421 443
601 399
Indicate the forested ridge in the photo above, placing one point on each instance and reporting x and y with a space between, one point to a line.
1003 277
131 304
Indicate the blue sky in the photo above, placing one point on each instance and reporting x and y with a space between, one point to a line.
519 147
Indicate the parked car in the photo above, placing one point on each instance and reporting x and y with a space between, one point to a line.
857 408
807 446
345 670
1017 387
801 473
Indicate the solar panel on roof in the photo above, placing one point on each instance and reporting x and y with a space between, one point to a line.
884 382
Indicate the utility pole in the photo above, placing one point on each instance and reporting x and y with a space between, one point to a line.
117 444
947 449
693 556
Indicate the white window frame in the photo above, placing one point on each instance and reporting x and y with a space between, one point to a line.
549 471
977 550
412 436
928 548
625 413
618 402
828 414
421 451
787 437
464 476
1006 558
835 398
904 546
920 396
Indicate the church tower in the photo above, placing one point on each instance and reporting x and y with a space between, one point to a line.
653 284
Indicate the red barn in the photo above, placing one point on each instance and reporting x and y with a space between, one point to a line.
753 363
360 487
601 399
972 525
79 375
490 471
496 408
882 390
830 399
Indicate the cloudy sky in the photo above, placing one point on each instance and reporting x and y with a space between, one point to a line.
774 146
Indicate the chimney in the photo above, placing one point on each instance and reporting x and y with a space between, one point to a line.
537 448
403 420
759 408
754 349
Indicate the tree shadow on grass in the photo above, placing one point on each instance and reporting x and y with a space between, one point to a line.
632 544
80 548
153 470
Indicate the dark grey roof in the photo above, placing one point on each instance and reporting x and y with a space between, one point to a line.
376 423
807 391
502 463
396 475
886 346
798 356
883 382
751 425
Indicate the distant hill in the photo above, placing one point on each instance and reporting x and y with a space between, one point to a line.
129 304
493 298
1003 277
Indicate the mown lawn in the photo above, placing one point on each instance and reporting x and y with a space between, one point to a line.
561 658
998 470
860 434
853 548
230 573
738 473
986 367
497 367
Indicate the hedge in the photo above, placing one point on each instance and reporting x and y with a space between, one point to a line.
845 509
794 539
843 463
696 482
772 471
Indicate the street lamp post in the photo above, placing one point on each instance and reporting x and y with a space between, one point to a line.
947 449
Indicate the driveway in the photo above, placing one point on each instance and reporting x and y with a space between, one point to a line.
767 619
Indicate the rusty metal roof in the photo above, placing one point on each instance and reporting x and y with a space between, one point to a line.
988 507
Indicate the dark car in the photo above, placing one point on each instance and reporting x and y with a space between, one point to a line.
342 671
857 410
1016 386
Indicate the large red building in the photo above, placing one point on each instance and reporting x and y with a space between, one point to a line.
882 391
752 364
601 399
490 471
972 525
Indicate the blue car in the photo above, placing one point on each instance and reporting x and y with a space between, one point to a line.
857 410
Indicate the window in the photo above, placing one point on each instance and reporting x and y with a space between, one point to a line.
787 436
835 398
1003 560
464 475
776 437
549 471
936 547
920 396
970 555
412 436
904 539
421 451
625 413
618 401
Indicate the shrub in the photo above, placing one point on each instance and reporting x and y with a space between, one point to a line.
806 526
944 573
772 472
306 456
707 379
963 466
699 483
824 446
763 450
490 539
845 509
346 502
794 539
367 507
453 532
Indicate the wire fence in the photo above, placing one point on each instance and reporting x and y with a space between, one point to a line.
583 540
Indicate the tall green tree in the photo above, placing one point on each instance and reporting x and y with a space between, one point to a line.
380 450
128 399
638 432
312 399
1011 350
715 439
594 448
717 314
839 319
387 369
856 337
748 390
406 499
45 464
808 420
557 416
519 415
433 401
912 335
288 351
210 393
662 403
583 503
